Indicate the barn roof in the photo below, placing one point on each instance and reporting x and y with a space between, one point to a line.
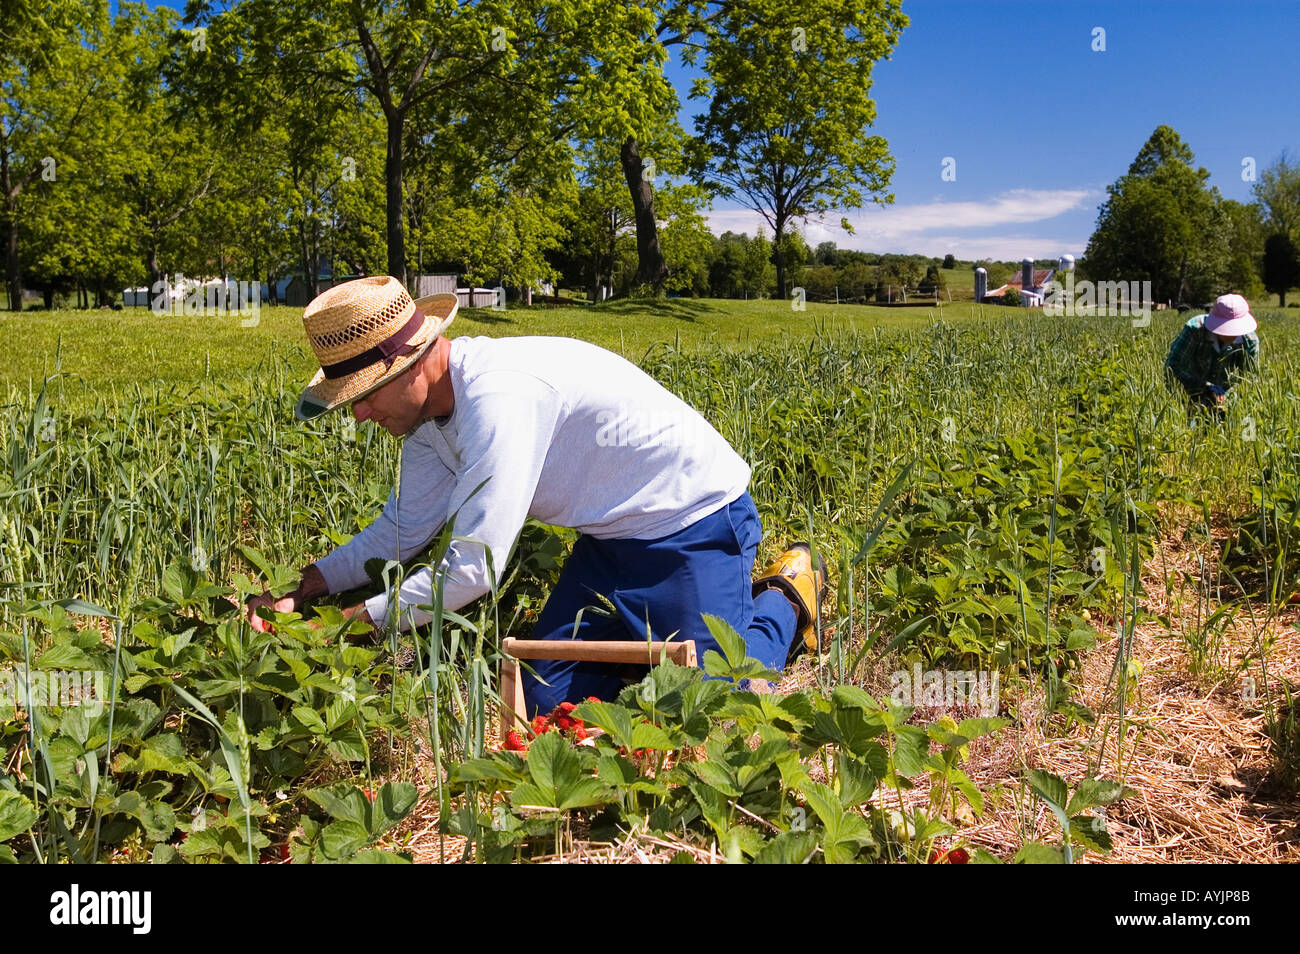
1041 275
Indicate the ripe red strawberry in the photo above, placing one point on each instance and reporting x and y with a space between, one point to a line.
274 855
580 733
564 722
369 794
958 856
934 858
514 743
541 724
566 707
592 699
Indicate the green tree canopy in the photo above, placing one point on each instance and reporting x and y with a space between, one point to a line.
1278 192
1160 223
1244 234
49 89
786 130
503 82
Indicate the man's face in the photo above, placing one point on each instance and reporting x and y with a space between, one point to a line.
398 406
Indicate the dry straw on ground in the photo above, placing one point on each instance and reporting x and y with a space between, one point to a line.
1195 755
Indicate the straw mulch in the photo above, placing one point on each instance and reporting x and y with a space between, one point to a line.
1194 752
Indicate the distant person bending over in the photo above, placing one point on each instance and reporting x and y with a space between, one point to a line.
1212 348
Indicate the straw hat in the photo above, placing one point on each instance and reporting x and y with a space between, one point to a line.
1230 316
355 327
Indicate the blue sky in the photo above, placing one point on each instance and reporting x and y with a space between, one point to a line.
1039 123
968 78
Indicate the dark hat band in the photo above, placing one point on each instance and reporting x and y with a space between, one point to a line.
385 349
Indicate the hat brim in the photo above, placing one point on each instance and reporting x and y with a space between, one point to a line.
1241 325
323 395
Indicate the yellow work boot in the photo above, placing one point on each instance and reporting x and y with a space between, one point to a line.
804 585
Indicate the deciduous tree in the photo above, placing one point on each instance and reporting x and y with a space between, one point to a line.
787 126
1278 192
1160 224
47 95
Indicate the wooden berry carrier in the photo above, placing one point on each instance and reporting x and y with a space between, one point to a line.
576 650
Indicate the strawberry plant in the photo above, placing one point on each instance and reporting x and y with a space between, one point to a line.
1072 813
214 734
730 767
359 819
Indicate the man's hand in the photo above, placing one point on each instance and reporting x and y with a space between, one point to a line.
285 604
359 612
311 586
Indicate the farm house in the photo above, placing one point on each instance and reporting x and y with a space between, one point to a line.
1030 282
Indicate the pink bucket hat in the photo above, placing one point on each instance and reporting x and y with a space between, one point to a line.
1230 316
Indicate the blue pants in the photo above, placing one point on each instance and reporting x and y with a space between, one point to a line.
666 584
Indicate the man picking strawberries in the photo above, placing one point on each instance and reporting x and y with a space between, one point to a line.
500 429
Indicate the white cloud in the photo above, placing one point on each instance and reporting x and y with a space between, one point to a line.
1017 207
1002 248
928 228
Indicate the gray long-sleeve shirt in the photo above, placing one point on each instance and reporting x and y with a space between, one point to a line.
560 430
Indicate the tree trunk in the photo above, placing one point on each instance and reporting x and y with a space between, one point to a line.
651 267
611 258
151 263
778 258
13 273
417 223
393 190
310 270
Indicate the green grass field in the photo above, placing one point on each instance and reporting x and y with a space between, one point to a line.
101 349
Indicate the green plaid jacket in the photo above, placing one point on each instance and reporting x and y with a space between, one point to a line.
1198 361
